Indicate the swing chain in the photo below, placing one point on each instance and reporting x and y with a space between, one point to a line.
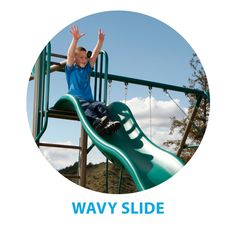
126 91
150 91
109 91
180 108
150 111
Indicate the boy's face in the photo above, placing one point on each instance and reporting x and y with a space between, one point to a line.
81 58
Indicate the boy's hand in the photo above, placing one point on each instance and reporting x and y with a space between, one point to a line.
75 32
97 48
101 35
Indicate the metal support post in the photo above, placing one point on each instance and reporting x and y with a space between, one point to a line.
37 100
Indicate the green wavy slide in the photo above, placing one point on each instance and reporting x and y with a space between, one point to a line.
147 163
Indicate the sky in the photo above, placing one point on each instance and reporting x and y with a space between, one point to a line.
138 46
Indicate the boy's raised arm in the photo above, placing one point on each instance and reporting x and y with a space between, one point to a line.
71 50
97 48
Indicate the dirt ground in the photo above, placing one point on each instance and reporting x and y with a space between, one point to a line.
96 178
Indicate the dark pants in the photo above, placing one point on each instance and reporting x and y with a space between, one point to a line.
94 110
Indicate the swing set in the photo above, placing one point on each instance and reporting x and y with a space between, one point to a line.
68 108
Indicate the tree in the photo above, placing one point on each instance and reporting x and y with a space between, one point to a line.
198 80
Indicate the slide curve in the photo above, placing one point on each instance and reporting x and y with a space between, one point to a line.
147 163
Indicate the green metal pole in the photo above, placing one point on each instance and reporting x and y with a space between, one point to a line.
95 80
105 77
42 88
43 97
36 99
39 96
100 78
155 85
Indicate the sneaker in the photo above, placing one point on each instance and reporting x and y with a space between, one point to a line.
100 123
111 127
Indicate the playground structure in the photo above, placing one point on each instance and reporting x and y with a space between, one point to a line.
129 148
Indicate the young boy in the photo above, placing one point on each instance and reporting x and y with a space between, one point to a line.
78 68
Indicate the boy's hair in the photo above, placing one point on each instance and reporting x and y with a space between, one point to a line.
81 49
89 53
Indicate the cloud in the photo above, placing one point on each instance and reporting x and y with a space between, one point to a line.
161 111
59 158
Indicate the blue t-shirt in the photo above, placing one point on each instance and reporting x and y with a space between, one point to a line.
78 81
